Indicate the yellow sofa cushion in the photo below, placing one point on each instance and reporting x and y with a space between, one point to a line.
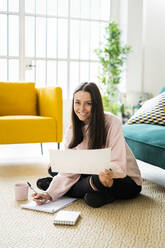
50 104
17 98
31 129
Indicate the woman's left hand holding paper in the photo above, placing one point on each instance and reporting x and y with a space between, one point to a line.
106 178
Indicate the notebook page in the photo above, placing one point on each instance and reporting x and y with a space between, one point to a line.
50 207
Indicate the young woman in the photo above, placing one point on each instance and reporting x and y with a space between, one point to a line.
93 129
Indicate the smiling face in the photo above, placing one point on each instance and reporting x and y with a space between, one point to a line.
83 105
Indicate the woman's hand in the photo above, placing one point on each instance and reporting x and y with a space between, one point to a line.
106 178
41 198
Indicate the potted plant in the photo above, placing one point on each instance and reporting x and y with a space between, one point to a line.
112 57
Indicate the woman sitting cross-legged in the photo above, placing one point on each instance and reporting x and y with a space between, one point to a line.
93 129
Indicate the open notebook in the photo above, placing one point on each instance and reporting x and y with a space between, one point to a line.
50 207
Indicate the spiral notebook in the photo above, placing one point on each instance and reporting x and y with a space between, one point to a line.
50 207
64 217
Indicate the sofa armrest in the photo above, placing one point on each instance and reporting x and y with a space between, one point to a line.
50 104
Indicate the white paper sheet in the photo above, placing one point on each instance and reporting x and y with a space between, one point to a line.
80 161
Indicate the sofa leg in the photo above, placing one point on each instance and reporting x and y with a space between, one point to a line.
41 148
58 145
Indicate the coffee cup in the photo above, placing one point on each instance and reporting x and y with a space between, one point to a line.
21 191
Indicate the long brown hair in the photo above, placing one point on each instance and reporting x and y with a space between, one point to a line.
96 127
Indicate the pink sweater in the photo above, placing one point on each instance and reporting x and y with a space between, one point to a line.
122 164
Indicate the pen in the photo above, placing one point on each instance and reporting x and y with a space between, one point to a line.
32 188
34 191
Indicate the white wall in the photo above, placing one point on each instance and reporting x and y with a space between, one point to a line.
154 45
67 104
142 22
135 40
146 35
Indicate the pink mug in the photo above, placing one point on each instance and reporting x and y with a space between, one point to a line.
21 191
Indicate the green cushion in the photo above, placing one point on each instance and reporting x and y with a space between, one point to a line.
147 142
162 90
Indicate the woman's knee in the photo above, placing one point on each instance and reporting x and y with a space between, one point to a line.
125 188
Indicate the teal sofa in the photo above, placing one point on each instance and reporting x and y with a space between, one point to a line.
147 141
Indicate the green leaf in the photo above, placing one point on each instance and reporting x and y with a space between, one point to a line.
112 58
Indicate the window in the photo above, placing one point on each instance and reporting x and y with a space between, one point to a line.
9 40
51 42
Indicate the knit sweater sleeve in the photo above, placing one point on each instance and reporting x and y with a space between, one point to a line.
62 182
115 140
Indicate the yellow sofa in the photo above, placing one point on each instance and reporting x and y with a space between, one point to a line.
29 114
